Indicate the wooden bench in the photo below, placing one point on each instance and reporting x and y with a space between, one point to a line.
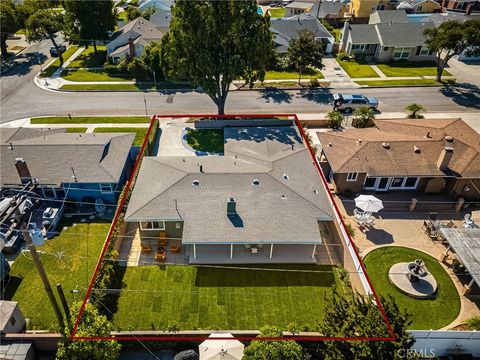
146 249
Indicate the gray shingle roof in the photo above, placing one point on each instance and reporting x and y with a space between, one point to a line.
402 34
387 16
331 8
98 157
363 34
279 209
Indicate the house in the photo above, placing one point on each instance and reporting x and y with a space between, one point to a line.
262 201
297 8
361 9
466 7
161 19
331 11
428 156
159 5
385 41
66 165
419 6
285 29
131 39
11 319
17 350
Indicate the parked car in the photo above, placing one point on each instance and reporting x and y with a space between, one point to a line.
348 102
54 51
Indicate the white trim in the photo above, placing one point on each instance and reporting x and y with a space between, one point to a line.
101 188
271 250
151 222
389 183
194 252
352 176
231 251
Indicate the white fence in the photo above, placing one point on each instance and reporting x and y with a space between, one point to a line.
444 342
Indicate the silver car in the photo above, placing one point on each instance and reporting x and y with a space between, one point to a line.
348 103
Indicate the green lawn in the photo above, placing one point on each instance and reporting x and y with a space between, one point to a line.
140 86
56 64
336 34
288 75
207 140
426 314
419 82
77 249
357 69
76 130
20 32
93 75
88 59
155 297
406 68
90 120
141 133
122 16
276 12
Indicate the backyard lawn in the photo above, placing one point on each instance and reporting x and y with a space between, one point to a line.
88 59
426 314
357 69
141 133
56 64
288 75
76 251
276 12
205 140
407 82
90 120
93 75
191 297
406 68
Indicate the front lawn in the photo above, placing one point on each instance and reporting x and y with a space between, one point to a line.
196 297
357 69
406 68
205 140
48 72
140 133
69 259
90 120
138 86
88 59
288 75
93 75
415 82
426 314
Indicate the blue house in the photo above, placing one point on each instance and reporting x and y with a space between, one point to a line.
72 166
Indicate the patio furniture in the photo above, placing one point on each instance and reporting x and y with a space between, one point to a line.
160 255
175 249
368 203
162 241
433 216
254 250
145 248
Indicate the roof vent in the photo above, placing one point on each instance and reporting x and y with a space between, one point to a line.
359 141
196 182
386 145
10 145
285 176
448 138
330 144
315 191
283 197
428 135
256 182
416 149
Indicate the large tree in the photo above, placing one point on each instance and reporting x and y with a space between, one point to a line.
305 51
272 350
452 38
215 42
44 24
89 21
92 323
8 22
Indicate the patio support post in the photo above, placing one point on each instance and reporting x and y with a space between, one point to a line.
231 251
194 252
314 249
470 284
271 250
445 256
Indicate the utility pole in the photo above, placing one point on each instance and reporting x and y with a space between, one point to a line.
39 264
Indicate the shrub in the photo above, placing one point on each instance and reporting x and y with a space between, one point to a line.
474 323
350 230
363 117
335 119
343 56
414 110
314 83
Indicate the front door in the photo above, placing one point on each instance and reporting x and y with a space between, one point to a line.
383 184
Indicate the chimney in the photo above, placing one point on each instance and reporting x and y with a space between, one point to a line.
231 206
444 158
22 170
131 48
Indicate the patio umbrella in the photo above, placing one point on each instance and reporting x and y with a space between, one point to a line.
368 203
222 349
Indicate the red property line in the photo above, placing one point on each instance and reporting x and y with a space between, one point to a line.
392 336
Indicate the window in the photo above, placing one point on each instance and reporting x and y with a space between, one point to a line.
105 187
370 182
381 7
418 8
423 51
359 47
48 192
12 321
152 225
352 176
401 53
411 182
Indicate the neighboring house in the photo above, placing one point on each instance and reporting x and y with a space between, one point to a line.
131 39
387 41
362 9
388 16
429 156
419 6
285 29
66 165
19 350
466 7
11 318
329 10
159 5
161 19
297 8
261 201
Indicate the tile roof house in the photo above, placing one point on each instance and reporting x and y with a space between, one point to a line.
76 165
262 201
131 39
430 156
285 29
388 36
11 318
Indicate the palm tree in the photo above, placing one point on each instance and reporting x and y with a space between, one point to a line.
363 116
415 110
335 119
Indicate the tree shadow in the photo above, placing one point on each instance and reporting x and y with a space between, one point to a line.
22 64
318 96
11 287
275 95
463 94
282 134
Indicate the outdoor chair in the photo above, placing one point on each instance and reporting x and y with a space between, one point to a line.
146 249
425 226
433 216
175 249
450 224
358 214
254 250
